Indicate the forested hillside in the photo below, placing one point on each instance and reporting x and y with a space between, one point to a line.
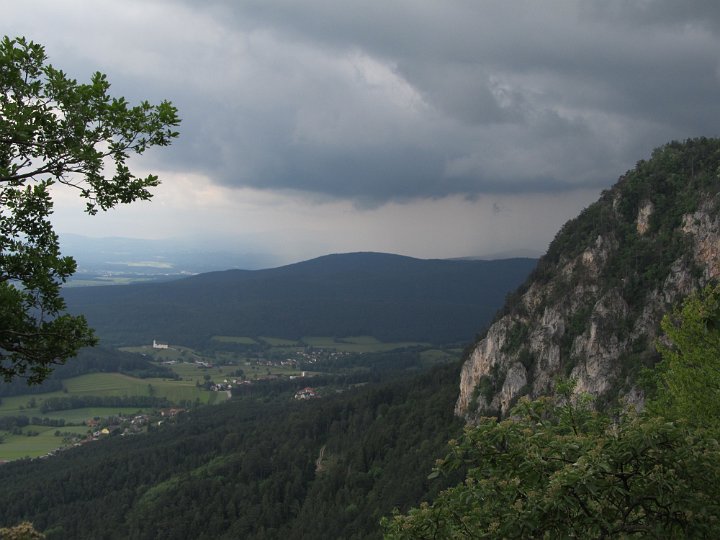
251 468
390 297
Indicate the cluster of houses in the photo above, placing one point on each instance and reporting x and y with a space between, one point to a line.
309 356
118 425
129 425
306 393
312 356
288 362
224 386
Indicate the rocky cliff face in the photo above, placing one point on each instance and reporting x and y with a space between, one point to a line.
592 308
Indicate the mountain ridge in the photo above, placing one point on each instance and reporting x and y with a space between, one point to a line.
392 297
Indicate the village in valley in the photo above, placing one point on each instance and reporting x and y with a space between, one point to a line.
293 364
95 406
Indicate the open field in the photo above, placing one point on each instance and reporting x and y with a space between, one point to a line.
20 405
109 384
280 342
176 353
357 344
117 384
193 372
94 384
21 446
240 340
432 357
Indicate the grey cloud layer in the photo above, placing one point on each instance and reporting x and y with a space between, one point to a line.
377 101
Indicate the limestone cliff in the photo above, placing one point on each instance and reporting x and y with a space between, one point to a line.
591 309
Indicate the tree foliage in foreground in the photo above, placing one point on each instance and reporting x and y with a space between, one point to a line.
557 469
53 131
689 375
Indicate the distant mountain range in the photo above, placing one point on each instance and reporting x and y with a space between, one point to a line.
391 297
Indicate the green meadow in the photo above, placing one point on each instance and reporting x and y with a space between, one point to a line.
358 344
241 340
110 384
24 446
280 342
431 357
117 384
175 353
94 384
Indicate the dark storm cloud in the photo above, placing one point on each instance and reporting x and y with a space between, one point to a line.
378 101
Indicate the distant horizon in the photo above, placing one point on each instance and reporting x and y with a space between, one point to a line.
74 244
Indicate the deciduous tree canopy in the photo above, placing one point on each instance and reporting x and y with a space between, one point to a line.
54 130
557 469
689 374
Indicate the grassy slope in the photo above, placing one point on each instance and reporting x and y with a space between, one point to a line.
22 446
94 384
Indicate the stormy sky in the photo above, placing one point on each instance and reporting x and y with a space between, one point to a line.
428 128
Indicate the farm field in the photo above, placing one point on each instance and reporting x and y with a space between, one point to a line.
110 384
358 344
24 446
117 384
229 362
280 342
235 339
15 446
433 357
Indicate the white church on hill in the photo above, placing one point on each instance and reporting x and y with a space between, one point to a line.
157 345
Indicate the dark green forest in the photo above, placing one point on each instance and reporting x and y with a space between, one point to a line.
257 467
389 297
